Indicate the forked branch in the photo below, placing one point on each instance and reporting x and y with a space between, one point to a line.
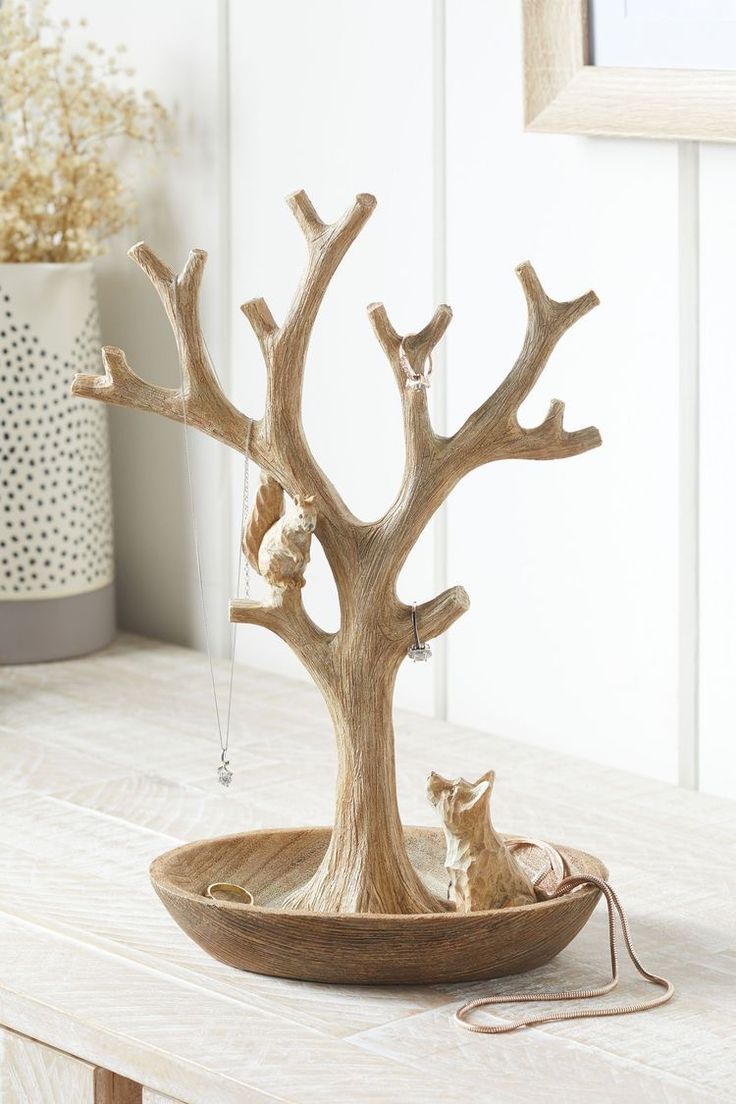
285 616
284 350
370 553
493 432
419 436
277 443
201 403
285 347
433 617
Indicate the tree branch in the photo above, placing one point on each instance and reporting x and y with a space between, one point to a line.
121 386
284 351
493 432
264 326
202 402
435 616
436 464
420 438
285 616
417 347
327 245
550 440
365 559
303 210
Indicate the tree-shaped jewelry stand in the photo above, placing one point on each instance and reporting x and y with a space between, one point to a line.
366 901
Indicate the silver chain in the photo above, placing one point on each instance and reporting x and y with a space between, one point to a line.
244 516
224 773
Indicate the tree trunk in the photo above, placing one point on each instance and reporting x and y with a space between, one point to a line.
366 867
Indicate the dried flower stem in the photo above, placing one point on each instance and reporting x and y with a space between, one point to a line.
63 115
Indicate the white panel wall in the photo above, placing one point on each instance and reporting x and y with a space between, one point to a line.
571 641
717 472
582 573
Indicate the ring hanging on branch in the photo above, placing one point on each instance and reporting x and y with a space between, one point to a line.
417 652
366 867
414 379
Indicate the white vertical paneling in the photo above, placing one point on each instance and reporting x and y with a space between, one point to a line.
584 575
572 566
174 48
439 395
689 477
337 99
717 472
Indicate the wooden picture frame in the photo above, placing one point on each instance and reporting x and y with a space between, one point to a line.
564 94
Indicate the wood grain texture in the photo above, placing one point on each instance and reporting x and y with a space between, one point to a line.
483 871
270 938
365 868
92 964
35 1073
284 549
268 506
675 104
565 95
112 1088
555 46
31 1072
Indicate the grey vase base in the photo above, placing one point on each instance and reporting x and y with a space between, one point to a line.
43 629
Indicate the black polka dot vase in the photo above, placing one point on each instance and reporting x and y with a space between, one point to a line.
56 550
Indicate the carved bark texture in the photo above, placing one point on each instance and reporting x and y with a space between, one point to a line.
268 506
366 867
483 871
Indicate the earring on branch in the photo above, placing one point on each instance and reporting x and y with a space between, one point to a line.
417 652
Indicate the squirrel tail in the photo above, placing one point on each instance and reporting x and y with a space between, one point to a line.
267 508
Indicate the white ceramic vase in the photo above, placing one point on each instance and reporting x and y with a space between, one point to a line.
56 552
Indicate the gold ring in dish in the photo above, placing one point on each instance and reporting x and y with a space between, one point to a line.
228 891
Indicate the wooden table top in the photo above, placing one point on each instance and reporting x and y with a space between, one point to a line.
109 760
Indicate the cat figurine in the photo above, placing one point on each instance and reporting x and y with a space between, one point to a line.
483 872
277 543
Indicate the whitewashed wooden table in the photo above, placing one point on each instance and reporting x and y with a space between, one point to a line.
109 760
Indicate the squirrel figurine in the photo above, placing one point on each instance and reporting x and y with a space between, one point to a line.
483 872
277 542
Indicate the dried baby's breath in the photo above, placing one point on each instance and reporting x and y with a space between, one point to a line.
63 115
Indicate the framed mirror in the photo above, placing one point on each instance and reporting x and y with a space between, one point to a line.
632 68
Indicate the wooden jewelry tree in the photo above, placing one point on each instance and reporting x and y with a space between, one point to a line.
365 868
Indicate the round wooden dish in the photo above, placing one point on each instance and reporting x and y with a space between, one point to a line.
355 948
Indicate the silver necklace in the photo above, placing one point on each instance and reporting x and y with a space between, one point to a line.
224 773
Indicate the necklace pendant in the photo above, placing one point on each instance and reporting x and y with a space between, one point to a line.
224 774
419 653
